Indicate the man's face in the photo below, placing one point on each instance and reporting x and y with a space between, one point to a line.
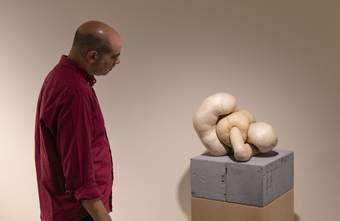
105 62
101 63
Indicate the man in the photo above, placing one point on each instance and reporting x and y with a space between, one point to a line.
72 152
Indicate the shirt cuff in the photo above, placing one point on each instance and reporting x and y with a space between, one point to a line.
87 191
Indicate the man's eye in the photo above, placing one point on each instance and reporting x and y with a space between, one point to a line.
115 56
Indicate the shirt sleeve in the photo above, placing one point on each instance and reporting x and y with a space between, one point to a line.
74 136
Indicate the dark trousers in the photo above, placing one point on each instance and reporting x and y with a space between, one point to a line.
88 218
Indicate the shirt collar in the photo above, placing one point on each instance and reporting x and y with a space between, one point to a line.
65 60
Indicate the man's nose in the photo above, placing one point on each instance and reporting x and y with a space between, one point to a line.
118 61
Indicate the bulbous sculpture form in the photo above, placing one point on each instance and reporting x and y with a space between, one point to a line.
223 128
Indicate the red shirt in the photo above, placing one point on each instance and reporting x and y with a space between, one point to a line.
72 152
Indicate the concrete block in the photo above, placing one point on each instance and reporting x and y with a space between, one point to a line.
256 182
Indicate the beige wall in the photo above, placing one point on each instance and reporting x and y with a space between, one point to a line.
279 58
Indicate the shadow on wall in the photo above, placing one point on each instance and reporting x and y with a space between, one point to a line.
296 217
184 194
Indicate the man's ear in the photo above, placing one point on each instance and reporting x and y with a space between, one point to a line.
92 56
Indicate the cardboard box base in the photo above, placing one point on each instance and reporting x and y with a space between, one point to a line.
281 209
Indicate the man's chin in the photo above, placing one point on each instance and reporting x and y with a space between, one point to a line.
108 71
102 73
105 73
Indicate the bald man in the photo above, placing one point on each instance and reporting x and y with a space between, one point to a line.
72 152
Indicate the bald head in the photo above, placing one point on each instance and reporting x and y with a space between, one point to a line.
96 47
96 35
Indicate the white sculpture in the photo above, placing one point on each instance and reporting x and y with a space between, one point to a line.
206 117
224 129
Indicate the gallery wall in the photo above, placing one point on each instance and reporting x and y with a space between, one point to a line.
280 59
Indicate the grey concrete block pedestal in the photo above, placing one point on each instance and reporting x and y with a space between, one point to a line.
256 182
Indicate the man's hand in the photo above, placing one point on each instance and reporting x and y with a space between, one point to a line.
96 209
